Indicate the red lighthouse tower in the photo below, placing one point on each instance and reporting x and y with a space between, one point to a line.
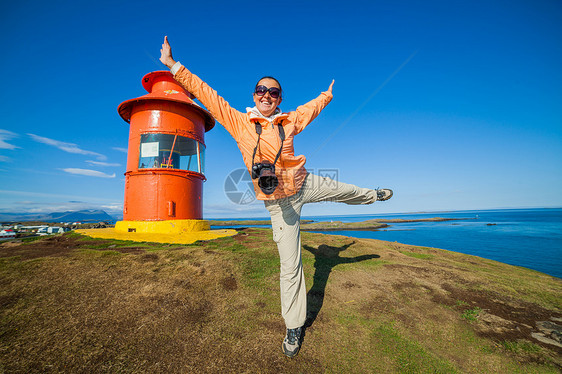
166 156
165 166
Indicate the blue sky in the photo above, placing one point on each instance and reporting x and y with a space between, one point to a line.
453 104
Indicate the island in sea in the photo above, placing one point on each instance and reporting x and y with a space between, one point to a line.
310 225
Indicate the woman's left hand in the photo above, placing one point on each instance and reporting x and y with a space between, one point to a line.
331 85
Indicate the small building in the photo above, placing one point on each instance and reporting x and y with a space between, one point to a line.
7 234
52 230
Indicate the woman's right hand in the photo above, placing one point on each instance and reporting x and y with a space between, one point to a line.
166 54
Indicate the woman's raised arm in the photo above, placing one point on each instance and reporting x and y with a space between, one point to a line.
307 112
227 116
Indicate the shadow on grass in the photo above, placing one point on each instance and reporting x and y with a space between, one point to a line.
326 258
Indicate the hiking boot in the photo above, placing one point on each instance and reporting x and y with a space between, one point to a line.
383 194
292 342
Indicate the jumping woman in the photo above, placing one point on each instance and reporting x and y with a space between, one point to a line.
264 135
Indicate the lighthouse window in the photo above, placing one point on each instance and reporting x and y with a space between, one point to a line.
167 151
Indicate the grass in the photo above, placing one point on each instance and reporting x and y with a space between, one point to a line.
395 351
408 356
471 315
422 256
520 346
30 239
75 304
461 303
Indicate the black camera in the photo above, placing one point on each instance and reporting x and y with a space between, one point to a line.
265 174
264 171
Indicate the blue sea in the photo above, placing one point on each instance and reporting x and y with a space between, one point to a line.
530 238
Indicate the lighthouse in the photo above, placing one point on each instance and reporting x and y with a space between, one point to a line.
165 166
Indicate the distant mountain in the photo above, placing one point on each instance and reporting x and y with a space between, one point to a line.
75 216
81 215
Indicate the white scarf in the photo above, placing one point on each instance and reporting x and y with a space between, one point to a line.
257 114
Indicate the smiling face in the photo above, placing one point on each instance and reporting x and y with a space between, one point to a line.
267 104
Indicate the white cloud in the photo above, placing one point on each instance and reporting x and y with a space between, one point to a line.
113 208
99 163
24 202
67 147
59 206
5 159
88 172
124 150
7 135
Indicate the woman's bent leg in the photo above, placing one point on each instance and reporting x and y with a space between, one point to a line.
285 222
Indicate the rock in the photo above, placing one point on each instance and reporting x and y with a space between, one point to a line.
550 328
541 338
550 333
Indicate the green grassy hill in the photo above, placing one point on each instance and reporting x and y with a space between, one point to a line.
74 304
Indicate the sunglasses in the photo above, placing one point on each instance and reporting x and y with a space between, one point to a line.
274 92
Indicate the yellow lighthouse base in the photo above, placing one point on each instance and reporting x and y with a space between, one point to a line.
183 231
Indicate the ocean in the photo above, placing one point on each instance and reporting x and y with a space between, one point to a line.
530 238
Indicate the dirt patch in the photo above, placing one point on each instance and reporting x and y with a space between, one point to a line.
7 301
191 311
9 244
130 250
439 271
275 326
49 246
348 285
408 268
413 290
253 239
60 245
184 284
377 306
502 318
229 283
250 245
149 257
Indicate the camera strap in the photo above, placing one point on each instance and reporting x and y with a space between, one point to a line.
281 135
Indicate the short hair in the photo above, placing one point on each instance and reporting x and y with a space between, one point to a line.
270 77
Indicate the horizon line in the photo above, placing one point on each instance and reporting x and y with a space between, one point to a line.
407 212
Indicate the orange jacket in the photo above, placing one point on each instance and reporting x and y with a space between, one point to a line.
289 168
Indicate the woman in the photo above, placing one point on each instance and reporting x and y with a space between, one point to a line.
265 137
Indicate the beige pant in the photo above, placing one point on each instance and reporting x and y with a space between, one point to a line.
285 221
